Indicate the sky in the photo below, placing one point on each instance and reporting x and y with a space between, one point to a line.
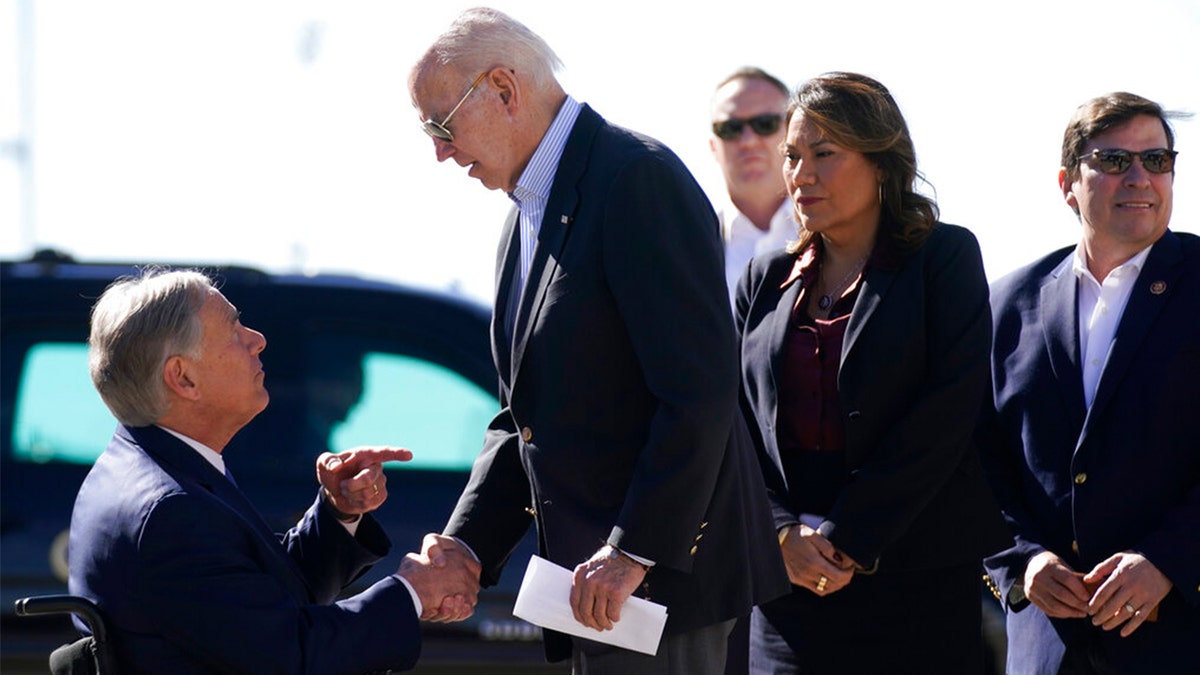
280 133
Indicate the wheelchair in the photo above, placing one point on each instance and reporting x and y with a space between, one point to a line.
88 655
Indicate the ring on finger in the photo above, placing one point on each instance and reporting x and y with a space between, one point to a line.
821 583
375 487
1130 608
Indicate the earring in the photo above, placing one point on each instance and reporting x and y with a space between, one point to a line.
881 193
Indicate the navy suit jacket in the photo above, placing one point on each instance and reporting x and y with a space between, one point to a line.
192 580
1122 475
619 392
911 378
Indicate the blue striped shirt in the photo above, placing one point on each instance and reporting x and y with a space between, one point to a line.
533 188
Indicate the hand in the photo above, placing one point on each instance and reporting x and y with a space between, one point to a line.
601 585
810 557
448 591
1056 589
1125 579
353 481
445 551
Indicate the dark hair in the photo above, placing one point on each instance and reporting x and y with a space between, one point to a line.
754 73
859 113
1103 113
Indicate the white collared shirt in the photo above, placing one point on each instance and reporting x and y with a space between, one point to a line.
1101 305
533 187
743 240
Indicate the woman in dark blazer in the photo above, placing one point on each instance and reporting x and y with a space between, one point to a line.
864 353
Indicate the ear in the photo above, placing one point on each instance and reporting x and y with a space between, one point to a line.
505 82
178 380
1068 190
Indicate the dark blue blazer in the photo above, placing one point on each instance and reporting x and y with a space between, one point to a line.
192 580
619 391
1124 475
911 378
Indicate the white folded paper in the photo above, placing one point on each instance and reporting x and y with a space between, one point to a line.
545 600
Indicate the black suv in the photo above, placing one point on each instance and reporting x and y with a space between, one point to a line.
348 361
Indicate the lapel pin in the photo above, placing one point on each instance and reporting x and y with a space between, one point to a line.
1158 287
566 220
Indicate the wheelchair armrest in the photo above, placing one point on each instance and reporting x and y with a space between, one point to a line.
65 604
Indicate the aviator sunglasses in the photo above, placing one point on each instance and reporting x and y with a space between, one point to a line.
1117 161
439 130
763 125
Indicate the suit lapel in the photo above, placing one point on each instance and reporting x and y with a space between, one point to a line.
1150 293
561 209
507 301
1060 329
189 468
875 284
780 319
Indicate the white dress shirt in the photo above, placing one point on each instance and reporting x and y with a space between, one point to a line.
743 240
1101 304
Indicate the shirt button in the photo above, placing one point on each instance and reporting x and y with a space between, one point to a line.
526 434
1080 478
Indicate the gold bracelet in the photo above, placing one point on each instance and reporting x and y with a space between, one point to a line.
783 533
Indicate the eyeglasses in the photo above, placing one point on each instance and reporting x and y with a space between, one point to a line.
1116 161
439 130
763 125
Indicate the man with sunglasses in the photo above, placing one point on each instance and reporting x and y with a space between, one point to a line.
618 434
1093 445
747 133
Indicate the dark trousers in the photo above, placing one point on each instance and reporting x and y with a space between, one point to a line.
698 652
896 623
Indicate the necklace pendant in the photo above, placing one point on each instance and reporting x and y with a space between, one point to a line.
825 301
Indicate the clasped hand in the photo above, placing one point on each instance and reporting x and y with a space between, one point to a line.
445 576
810 557
1122 591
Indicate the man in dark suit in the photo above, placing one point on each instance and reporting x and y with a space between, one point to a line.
614 344
189 576
1094 446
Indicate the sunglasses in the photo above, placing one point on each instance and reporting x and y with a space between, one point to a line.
763 125
439 130
1118 161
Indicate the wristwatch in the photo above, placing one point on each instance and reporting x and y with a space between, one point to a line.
615 553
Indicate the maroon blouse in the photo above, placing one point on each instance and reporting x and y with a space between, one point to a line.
810 428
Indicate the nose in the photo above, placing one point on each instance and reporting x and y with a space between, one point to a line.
1137 175
256 340
442 149
800 174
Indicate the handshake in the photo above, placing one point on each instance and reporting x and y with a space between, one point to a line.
445 576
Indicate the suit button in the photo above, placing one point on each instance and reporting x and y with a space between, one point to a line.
693 551
526 434
1080 478
854 415
699 537
1075 547
704 525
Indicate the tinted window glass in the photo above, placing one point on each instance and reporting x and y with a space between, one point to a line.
59 417
416 404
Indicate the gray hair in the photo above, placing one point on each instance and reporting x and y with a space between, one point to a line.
137 324
482 38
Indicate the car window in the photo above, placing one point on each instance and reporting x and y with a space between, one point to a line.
59 417
352 398
419 405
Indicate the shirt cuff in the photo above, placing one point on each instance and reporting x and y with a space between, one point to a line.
411 591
